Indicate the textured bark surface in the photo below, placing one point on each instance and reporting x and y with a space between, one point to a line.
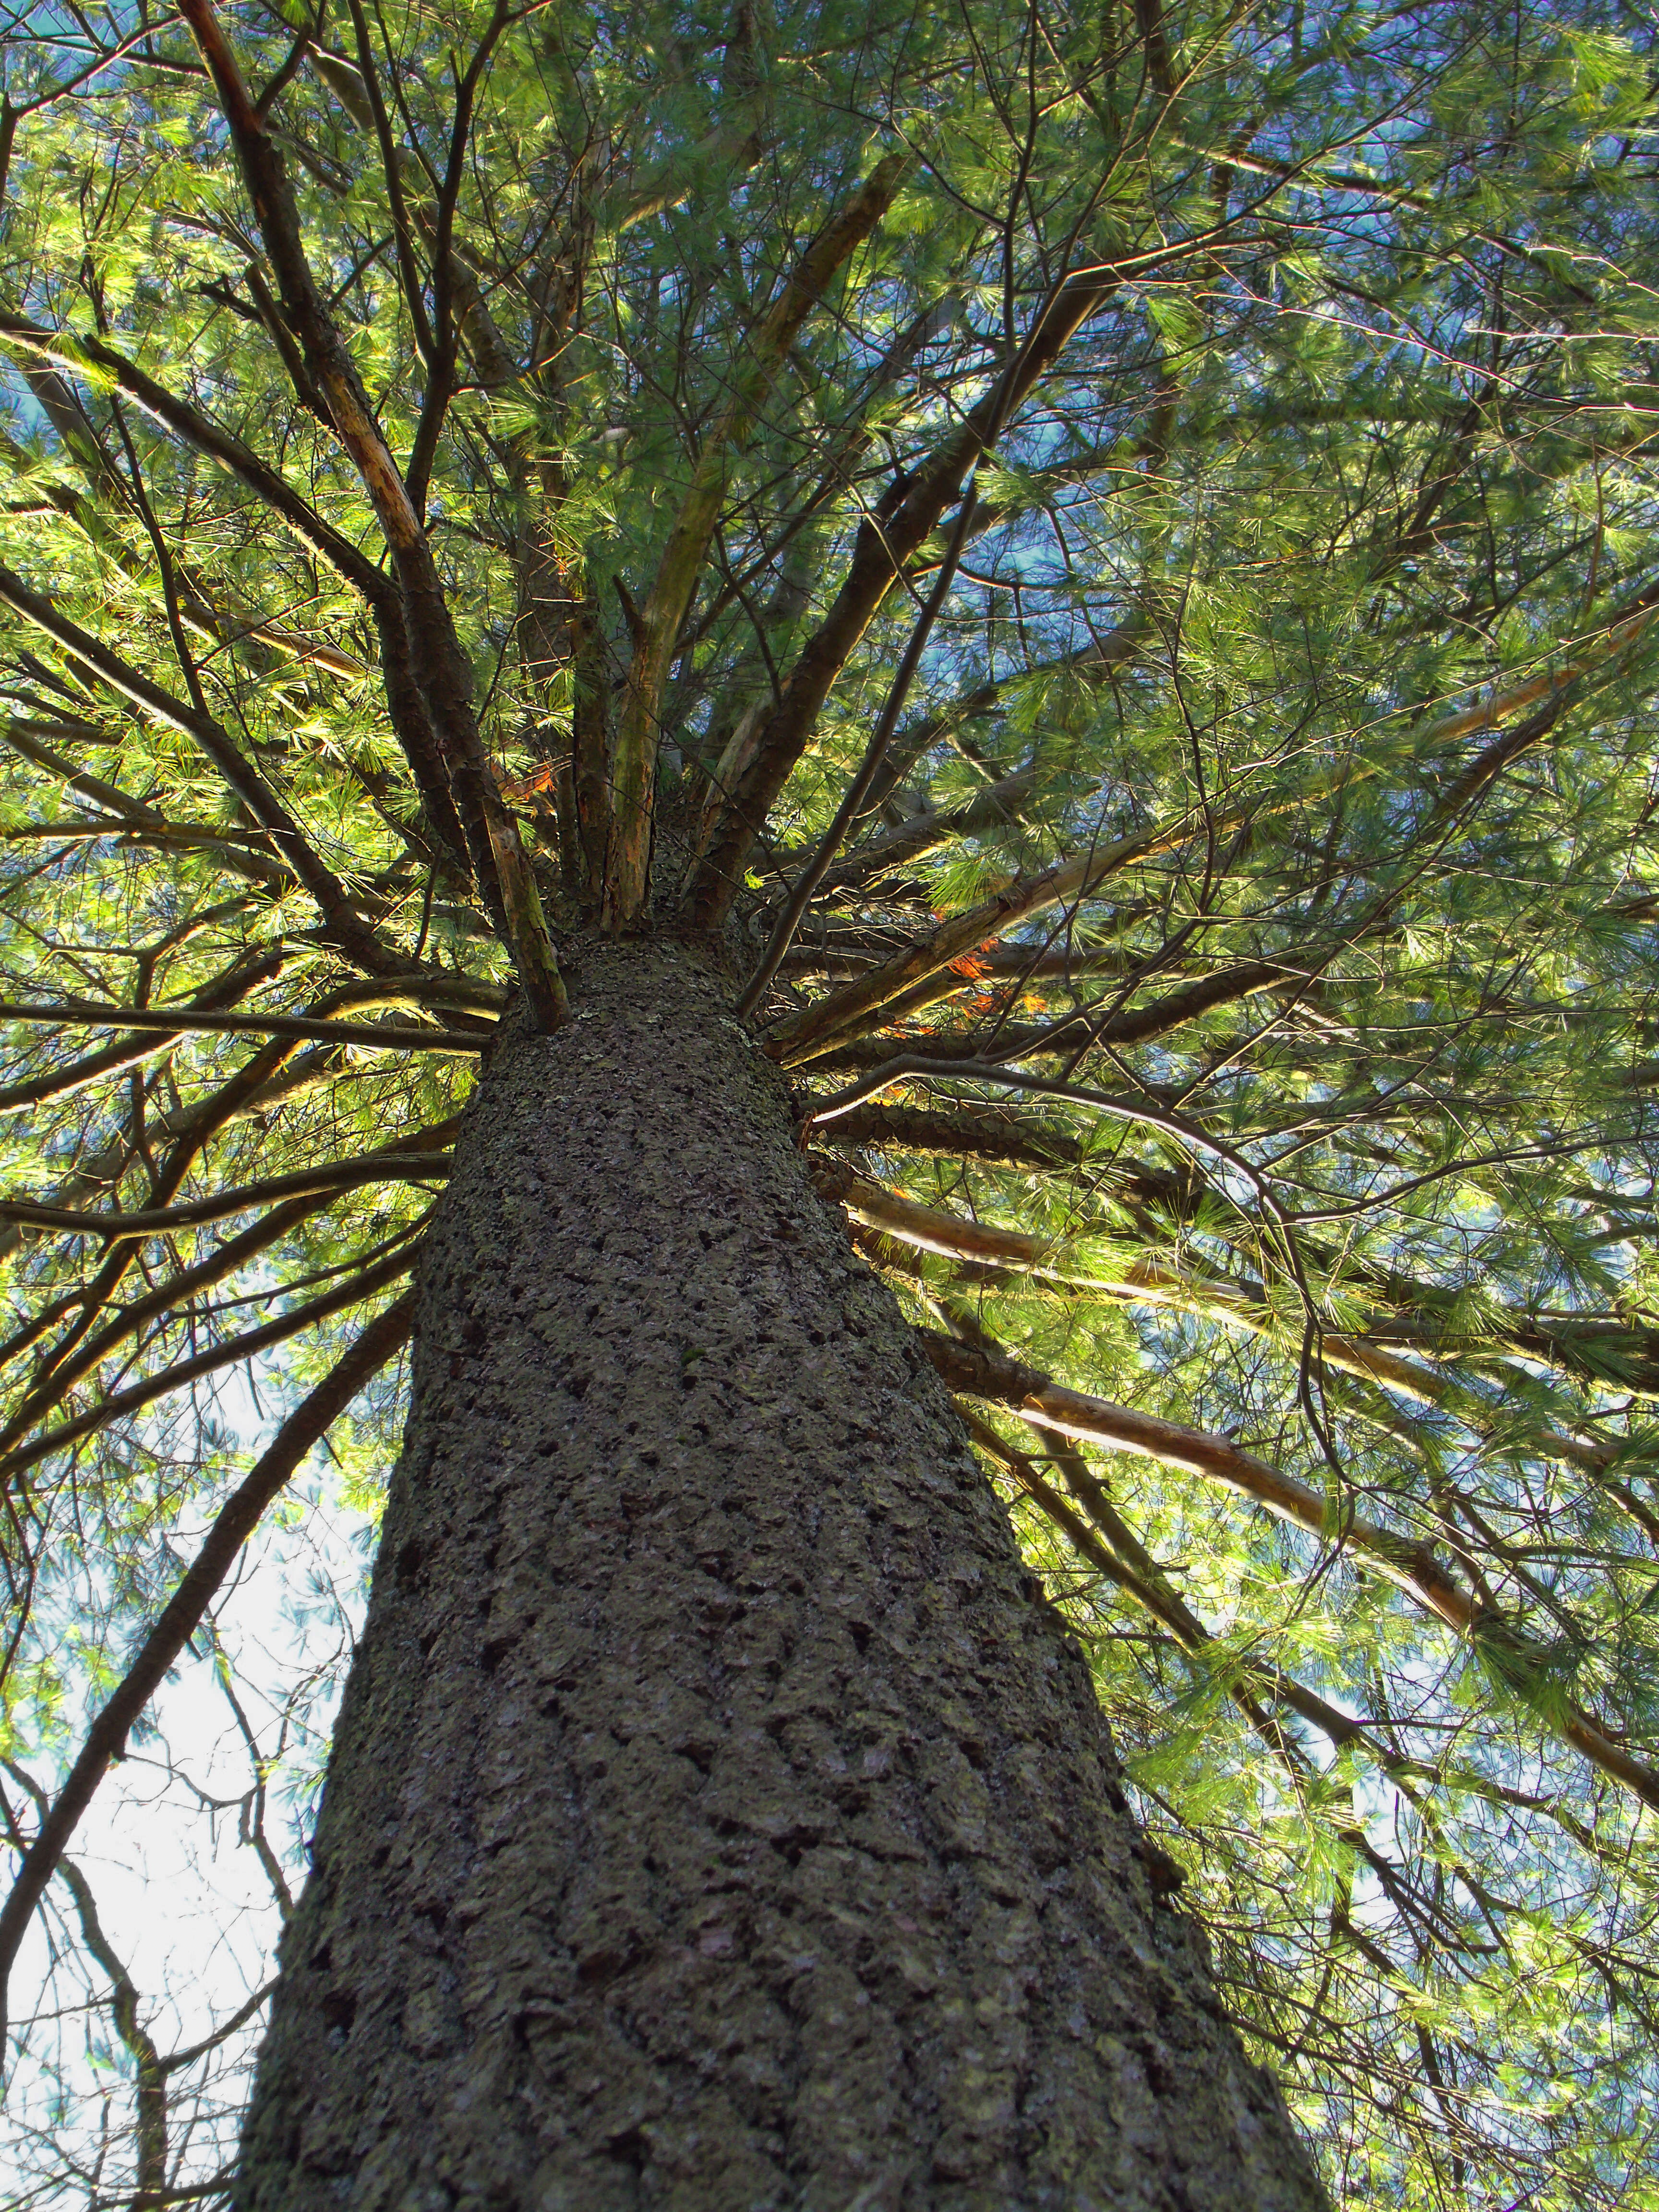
719 1819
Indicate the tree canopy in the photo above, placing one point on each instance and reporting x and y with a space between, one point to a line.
1110 550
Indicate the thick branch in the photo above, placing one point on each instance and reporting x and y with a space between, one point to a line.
988 1133
381 1036
879 556
436 661
634 754
329 1175
84 354
1412 1566
142 1044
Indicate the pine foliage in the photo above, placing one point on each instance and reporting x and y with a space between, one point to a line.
1110 552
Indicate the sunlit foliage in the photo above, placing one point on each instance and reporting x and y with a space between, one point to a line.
1111 552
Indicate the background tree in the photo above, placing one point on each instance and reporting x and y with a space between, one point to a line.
1106 557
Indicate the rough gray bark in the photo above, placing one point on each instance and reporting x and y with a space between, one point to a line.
719 1819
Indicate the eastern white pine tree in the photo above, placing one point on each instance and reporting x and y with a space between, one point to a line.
898 765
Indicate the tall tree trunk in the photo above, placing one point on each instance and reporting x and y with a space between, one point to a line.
718 1818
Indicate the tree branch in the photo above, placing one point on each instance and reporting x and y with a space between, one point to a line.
635 749
119 1403
349 932
168 1021
1411 1566
234 1524
327 1176
140 1045
436 662
880 555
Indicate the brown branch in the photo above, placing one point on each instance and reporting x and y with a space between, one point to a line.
986 1134
329 1175
62 1363
436 663
251 1081
1254 1687
383 1036
991 809
143 1044
842 1014
107 366
234 1524
1115 1551
863 779
1086 1027
635 749
880 554
392 164
1138 1282
408 709
119 1403
1412 1566
109 796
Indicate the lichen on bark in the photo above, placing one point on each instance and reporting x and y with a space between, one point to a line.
718 1816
